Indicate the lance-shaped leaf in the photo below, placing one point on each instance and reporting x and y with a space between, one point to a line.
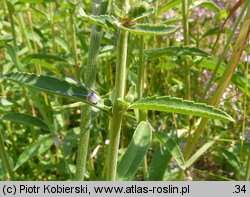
172 147
206 4
168 5
55 86
178 105
25 119
148 29
135 152
45 56
101 20
159 163
231 158
175 51
110 22
37 148
198 153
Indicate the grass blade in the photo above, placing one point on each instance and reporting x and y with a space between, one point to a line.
159 163
171 147
25 119
34 149
175 51
135 152
199 153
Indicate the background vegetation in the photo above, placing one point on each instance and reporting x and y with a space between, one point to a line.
53 128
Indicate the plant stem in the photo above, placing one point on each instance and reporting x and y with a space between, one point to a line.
185 21
140 88
186 42
247 174
52 26
95 41
6 159
73 40
185 27
116 120
141 77
223 54
11 11
238 48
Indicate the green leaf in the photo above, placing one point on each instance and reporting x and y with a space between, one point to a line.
34 149
230 158
175 51
47 57
213 31
178 105
168 5
171 147
159 164
148 29
101 20
198 153
135 152
54 86
25 119
206 4
70 141
32 1
13 55
5 39
142 29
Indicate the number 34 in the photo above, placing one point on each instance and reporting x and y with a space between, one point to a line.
240 189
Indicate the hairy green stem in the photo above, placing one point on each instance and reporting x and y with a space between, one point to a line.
73 41
186 42
185 21
95 41
185 27
116 121
141 77
140 87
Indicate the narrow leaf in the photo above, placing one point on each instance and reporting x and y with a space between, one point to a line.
148 29
107 21
34 149
175 51
25 119
230 158
198 153
171 147
206 4
159 164
13 55
47 57
54 86
178 105
100 20
135 152
5 39
168 5
32 1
